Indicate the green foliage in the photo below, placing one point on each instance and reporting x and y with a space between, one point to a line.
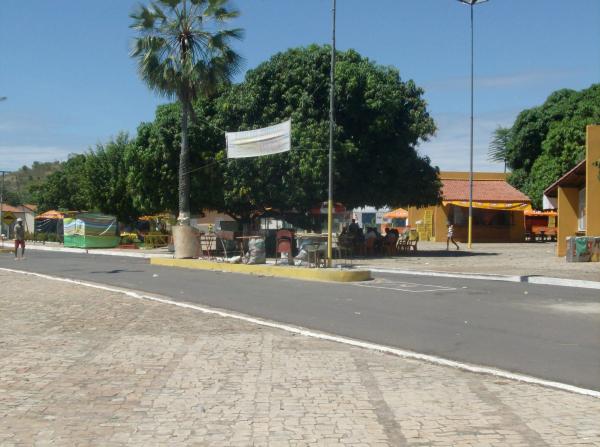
498 150
547 141
379 121
67 188
153 160
106 169
18 184
95 181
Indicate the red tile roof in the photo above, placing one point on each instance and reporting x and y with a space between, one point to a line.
483 191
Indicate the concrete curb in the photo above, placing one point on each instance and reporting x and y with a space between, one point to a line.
100 251
532 279
307 274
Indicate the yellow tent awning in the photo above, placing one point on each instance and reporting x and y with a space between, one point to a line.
500 206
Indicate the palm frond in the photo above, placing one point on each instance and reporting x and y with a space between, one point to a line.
185 50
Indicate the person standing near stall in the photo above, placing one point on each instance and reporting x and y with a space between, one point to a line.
19 238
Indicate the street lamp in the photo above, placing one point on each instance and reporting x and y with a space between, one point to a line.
331 129
471 3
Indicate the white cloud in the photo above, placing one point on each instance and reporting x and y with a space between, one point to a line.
14 156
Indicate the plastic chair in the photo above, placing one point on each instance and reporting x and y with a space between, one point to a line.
284 244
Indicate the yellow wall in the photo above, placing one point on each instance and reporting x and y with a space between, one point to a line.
517 229
415 214
592 182
568 207
440 220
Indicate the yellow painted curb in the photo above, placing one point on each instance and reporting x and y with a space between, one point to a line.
308 274
6 250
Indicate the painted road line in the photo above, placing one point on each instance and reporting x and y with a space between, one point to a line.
478 369
407 287
538 280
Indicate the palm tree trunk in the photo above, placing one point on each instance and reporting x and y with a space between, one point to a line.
184 169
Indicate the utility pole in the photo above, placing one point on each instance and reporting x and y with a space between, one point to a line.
471 4
331 130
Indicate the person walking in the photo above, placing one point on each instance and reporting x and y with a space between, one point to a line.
19 238
451 237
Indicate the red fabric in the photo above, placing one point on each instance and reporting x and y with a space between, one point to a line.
21 243
483 191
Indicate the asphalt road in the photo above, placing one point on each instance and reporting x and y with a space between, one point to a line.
548 332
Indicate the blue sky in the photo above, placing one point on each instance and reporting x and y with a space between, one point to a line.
71 84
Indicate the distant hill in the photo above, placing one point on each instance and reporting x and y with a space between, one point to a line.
17 184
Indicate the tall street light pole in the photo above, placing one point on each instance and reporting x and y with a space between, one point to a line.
471 4
331 129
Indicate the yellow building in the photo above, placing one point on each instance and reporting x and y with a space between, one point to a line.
498 210
578 195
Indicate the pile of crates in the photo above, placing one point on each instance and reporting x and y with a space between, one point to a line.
583 249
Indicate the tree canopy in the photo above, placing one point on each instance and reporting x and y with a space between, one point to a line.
380 120
546 141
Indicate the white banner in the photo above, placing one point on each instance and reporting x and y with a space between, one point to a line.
254 143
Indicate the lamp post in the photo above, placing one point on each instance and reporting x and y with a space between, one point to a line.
471 3
331 129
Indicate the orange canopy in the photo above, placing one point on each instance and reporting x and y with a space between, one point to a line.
51 214
399 213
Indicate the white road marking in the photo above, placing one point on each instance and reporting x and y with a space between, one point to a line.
335 338
404 286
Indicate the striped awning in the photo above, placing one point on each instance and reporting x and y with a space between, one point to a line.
500 206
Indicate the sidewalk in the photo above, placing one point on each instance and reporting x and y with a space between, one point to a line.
85 366
526 259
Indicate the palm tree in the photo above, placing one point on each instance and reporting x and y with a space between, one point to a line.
498 150
183 51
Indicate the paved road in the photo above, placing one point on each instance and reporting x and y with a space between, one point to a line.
544 331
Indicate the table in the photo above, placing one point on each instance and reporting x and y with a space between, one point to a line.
314 242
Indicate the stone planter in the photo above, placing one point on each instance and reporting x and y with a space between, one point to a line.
185 240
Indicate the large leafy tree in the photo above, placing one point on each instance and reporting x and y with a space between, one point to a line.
153 157
68 188
547 141
380 120
184 51
106 170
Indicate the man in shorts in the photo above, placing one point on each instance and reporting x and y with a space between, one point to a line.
19 238
451 237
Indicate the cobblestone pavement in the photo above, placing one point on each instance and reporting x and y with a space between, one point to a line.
82 366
